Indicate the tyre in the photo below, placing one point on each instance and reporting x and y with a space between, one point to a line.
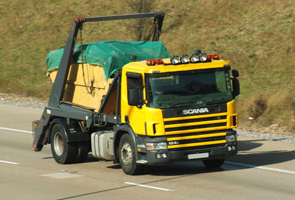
83 149
127 156
214 163
62 151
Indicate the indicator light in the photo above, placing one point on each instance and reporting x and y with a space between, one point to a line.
155 62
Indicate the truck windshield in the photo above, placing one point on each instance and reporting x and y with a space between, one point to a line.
193 88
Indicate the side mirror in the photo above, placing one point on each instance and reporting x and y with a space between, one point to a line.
235 73
133 97
236 87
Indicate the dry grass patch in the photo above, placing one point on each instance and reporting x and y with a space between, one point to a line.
257 37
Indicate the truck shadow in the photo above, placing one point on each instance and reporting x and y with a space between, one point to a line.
247 158
244 160
260 158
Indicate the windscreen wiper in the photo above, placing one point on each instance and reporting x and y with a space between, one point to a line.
181 103
216 102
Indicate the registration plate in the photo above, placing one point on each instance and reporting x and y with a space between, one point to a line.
198 155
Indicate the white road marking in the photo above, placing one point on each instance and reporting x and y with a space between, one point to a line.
16 130
9 162
261 167
147 186
61 175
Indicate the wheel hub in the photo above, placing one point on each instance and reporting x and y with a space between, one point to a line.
126 154
58 144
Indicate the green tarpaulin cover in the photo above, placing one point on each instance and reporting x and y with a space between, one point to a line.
111 55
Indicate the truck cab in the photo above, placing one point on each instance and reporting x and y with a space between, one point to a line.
182 111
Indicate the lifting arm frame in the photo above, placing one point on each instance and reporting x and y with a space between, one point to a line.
61 77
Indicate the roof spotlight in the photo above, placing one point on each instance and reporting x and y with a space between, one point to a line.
193 58
198 52
203 57
174 59
184 59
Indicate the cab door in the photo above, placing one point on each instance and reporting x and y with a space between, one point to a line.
133 113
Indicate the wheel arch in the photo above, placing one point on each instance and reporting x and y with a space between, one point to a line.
119 132
63 124
73 131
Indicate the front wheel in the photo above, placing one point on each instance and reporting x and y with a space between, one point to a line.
127 156
214 163
62 151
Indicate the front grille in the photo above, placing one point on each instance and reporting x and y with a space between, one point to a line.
204 148
197 140
180 121
194 127
200 131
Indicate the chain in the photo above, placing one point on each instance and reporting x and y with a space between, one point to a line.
88 88
150 31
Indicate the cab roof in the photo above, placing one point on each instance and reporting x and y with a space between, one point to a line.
167 66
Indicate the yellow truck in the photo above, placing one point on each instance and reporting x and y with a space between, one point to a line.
133 103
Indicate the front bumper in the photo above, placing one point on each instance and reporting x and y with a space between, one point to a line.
155 157
165 156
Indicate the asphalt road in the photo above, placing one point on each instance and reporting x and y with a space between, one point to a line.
261 170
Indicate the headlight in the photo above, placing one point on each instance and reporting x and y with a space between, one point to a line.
174 59
156 146
184 59
231 138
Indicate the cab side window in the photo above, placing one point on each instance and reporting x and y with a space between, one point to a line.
134 81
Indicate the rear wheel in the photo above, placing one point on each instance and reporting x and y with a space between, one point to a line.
214 163
127 156
62 151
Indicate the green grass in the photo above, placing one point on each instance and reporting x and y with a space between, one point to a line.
257 37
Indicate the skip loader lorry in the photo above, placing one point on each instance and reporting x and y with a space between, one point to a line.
134 104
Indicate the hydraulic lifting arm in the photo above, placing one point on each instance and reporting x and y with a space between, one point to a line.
61 77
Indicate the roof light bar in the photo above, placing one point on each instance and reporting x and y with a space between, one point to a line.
197 56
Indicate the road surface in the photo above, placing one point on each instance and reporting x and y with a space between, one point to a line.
261 170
